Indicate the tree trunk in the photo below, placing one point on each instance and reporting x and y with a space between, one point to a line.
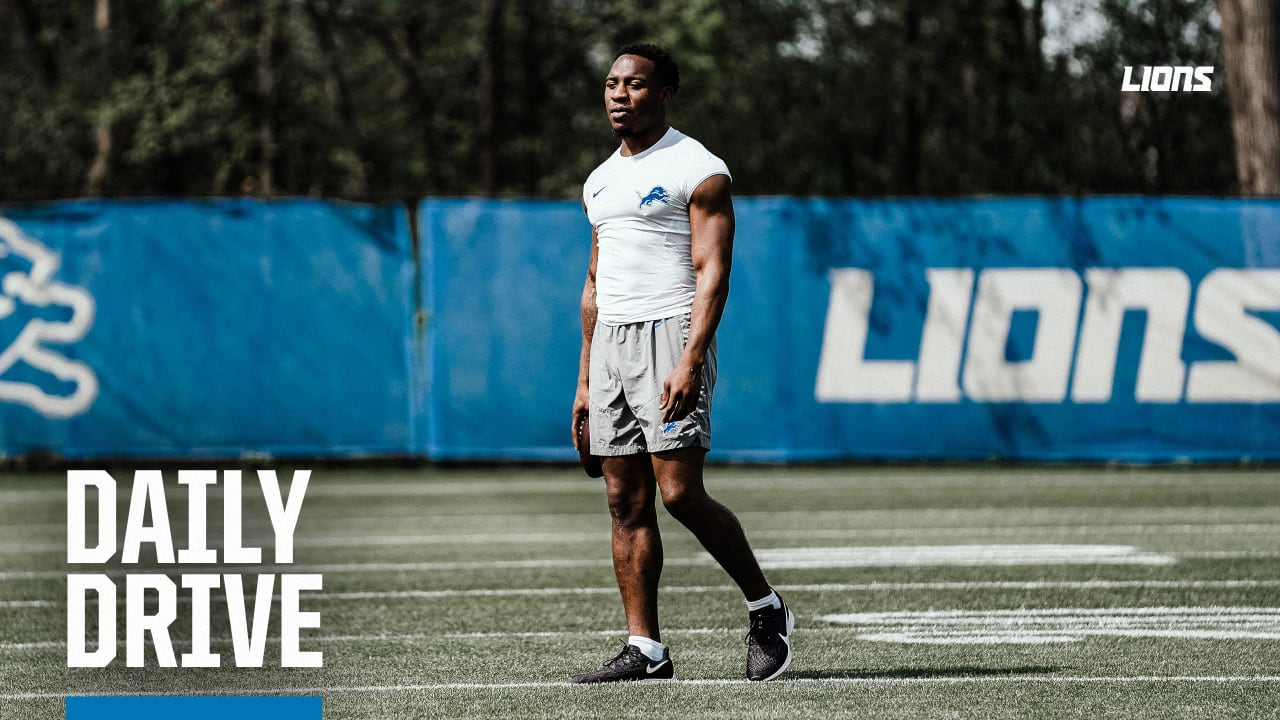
266 97
912 130
99 171
1250 46
490 90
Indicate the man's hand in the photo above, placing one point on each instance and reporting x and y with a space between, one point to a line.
581 406
680 392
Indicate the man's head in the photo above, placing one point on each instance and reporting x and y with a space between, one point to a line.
641 82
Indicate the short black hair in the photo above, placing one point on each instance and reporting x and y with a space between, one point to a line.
666 66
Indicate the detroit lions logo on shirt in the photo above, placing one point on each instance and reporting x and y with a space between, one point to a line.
656 194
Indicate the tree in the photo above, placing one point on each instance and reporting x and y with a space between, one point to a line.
1251 45
100 168
390 99
1152 142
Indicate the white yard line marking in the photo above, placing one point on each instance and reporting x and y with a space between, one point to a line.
562 684
1229 554
180 643
37 645
1043 530
338 489
971 586
619 632
414 637
829 587
334 483
567 537
956 555
871 518
28 603
771 558
999 517
343 567
1060 625
344 490
943 627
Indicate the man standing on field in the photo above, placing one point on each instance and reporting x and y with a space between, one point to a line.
662 241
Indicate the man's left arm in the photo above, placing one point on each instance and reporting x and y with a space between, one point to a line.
711 225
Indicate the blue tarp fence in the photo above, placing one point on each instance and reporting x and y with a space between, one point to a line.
1125 328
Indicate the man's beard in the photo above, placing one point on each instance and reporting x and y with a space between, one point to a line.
622 133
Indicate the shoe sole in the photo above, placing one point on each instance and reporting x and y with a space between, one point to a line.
615 681
791 626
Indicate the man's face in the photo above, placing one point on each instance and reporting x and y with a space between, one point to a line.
634 97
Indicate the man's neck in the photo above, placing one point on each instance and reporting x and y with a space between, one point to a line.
637 144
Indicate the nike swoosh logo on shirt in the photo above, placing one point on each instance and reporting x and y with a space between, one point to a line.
651 668
598 191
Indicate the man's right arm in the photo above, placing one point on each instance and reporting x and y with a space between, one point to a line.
582 398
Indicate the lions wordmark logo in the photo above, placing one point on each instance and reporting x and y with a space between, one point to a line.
1168 78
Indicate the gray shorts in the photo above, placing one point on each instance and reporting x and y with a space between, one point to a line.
629 363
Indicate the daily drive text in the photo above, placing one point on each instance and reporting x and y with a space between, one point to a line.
161 598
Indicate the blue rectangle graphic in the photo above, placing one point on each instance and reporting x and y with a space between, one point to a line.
195 708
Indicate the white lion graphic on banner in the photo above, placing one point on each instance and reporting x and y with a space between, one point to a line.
35 288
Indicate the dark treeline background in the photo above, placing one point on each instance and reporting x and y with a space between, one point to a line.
382 99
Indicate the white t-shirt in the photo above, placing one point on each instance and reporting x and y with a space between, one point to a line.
639 207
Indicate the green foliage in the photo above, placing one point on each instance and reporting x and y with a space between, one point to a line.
381 99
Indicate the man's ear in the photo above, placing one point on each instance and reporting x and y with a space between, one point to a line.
668 93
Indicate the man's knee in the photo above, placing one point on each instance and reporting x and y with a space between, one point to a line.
630 503
683 501
629 511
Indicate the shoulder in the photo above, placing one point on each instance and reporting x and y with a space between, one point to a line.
697 163
691 147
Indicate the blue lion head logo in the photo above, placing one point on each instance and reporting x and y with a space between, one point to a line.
656 194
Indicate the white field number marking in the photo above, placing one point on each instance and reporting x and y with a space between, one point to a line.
1063 625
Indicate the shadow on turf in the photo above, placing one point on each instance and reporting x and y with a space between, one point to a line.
917 673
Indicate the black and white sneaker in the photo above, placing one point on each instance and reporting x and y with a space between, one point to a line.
630 664
769 642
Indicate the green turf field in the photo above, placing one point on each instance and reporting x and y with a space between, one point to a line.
969 592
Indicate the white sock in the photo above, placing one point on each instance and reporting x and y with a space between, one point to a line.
652 649
770 600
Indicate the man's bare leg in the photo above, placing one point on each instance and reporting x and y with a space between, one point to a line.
679 477
637 546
